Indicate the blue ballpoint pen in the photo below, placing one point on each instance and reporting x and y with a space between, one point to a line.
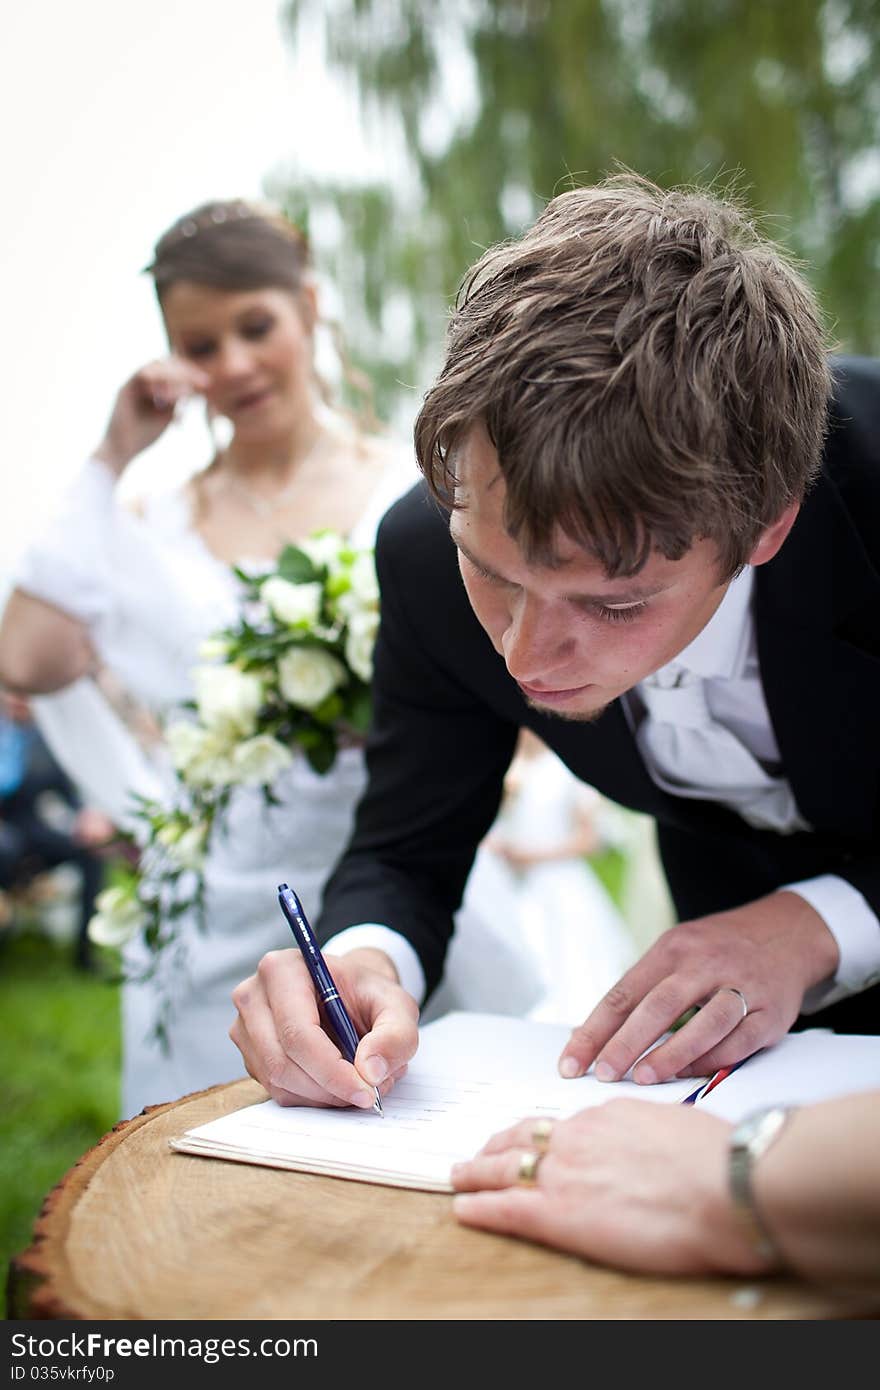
323 981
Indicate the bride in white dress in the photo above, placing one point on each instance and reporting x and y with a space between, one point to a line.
136 590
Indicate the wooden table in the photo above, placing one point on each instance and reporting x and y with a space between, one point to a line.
136 1231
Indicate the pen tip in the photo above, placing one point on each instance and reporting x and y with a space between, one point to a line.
377 1104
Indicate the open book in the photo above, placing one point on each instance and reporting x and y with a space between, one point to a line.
475 1074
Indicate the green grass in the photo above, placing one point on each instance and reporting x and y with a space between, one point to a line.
59 1064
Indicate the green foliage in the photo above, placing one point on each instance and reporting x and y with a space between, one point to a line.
60 1061
610 866
504 102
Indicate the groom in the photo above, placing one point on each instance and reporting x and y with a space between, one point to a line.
650 532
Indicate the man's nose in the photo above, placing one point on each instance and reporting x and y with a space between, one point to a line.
534 644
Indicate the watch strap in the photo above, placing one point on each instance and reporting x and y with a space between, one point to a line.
750 1139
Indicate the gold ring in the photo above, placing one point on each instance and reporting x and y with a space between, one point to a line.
528 1167
541 1132
731 989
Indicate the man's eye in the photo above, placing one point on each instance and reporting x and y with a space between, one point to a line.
478 569
620 615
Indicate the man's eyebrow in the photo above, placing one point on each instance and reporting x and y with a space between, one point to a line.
633 593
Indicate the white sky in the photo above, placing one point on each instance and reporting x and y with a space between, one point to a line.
119 115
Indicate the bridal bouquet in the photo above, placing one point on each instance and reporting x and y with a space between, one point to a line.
293 673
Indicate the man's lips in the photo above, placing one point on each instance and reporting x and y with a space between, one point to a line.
541 695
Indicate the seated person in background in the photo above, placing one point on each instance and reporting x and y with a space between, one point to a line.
31 843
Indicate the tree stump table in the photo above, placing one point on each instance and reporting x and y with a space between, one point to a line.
137 1231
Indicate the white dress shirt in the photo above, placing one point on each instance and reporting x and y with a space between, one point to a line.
725 659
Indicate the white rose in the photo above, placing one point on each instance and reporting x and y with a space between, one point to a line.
203 757
260 759
228 698
324 550
185 741
186 847
119 918
292 603
359 643
364 580
307 676
364 591
213 649
214 766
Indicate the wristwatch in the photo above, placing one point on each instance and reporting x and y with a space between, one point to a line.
752 1137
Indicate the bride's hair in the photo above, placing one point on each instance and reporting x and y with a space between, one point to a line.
233 245
238 245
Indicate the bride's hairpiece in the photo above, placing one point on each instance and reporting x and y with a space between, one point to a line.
191 225
237 242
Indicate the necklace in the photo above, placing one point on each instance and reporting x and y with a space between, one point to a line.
265 506
262 505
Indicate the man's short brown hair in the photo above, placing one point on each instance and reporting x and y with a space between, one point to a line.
650 369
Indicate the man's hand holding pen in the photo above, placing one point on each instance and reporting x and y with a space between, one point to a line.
279 1031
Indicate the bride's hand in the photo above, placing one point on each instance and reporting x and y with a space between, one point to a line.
145 406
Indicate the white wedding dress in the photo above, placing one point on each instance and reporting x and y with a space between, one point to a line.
150 591
546 941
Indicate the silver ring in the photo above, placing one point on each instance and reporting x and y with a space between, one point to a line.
731 989
527 1171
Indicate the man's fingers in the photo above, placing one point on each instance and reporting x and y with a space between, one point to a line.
286 1083
609 1015
392 1018
628 1027
715 1023
298 1046
749 1037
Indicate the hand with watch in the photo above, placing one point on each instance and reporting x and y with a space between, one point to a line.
673 1189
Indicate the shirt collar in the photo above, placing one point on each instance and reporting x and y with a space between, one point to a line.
720 649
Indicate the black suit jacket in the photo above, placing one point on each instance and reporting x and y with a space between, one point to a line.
447 715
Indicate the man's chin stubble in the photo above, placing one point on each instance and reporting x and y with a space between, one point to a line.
571 717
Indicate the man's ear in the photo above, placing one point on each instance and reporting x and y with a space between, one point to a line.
773 536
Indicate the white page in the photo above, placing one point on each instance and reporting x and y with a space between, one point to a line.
798 1070
473 1075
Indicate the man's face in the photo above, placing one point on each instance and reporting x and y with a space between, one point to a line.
571 638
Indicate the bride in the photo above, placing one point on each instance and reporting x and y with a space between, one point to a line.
135 589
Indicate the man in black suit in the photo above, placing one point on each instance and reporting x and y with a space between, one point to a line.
644 480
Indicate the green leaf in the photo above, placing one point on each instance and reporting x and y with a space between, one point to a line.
329 710
360 710
296 567
309 737
323 755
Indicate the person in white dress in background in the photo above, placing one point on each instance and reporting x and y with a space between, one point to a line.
134 590
539 934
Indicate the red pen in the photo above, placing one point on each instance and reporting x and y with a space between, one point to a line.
720 1075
